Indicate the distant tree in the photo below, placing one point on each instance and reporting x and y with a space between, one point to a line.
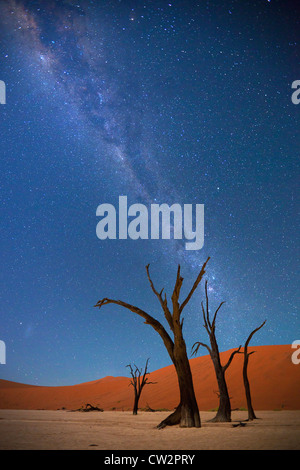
251 414
187 413
138 382
224 410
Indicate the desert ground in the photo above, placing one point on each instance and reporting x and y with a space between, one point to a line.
45 417
117 430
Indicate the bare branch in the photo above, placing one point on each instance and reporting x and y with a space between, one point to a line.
144 379
149 320
175 299
197 347
207 309
205 321
215 315
237 351
131 371
196 283
133 375
250 336
163 302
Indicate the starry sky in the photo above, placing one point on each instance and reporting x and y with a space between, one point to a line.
164 102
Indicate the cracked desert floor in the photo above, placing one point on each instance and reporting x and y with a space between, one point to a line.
116 430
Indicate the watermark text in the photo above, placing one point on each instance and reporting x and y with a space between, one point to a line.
296 354
296 94
2 92
165 222
2 352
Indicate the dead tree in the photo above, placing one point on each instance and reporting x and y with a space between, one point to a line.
251 414
138 382
224 410
187 413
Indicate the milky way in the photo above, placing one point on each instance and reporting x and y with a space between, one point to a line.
79 60
165 102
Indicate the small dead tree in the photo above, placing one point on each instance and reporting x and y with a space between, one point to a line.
187 413
251 414
224 410
138 382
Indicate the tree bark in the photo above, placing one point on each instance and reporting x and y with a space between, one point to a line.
224 410
138 382
135 404
251 413
187 412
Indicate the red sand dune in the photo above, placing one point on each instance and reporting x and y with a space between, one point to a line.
274 382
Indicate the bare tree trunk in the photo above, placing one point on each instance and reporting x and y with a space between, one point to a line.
251 414
224 410
136 404
189 416
187 412
138 382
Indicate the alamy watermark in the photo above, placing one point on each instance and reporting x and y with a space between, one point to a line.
296 354
296 95
2 352
2 92
165 222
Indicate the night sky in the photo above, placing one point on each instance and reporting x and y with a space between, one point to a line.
164 102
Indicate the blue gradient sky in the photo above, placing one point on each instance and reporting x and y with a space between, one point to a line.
166 102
